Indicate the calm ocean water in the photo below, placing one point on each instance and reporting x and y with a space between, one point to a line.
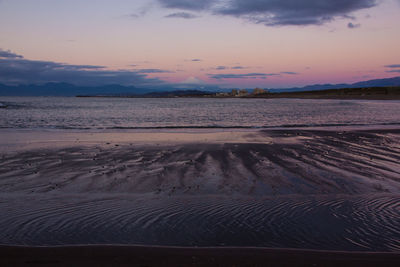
123 113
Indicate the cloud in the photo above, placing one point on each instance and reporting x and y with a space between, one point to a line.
182 15
141 12
276 12
232 68
194 5
289 72
393 66
15 69
195 60
135 16
8 54
353 26
153 71
241 76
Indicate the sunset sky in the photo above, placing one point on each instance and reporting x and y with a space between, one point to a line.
236 43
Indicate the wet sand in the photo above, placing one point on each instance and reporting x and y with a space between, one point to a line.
43 175
173 256
278 162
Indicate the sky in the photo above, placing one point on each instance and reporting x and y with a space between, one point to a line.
199 43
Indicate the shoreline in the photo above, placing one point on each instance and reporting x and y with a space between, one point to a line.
272 96
16 140
115 255
363 93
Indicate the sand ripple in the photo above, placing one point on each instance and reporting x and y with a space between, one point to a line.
304 189
362 223
294 162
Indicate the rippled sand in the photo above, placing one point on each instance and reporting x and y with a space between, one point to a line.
264 163
316 189
362 223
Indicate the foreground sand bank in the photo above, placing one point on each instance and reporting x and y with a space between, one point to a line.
274 162
174 256
283 186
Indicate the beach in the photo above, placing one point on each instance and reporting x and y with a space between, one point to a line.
291 188
267 162
333 189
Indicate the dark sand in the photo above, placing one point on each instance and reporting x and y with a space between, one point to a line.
279 162
173 256
267 163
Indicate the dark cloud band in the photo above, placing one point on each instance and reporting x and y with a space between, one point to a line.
276 12
148 71
188 5
393 66
182 15
353 26
14 69
289 72
8 54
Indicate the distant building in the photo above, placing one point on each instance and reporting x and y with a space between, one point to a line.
222 94
243 92
259 91
234 92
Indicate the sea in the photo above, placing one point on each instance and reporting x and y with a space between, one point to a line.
191 113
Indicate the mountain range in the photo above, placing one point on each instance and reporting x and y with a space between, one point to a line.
66 89
395 81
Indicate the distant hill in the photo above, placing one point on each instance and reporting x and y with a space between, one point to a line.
177 93
381 92
66 89
317 87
